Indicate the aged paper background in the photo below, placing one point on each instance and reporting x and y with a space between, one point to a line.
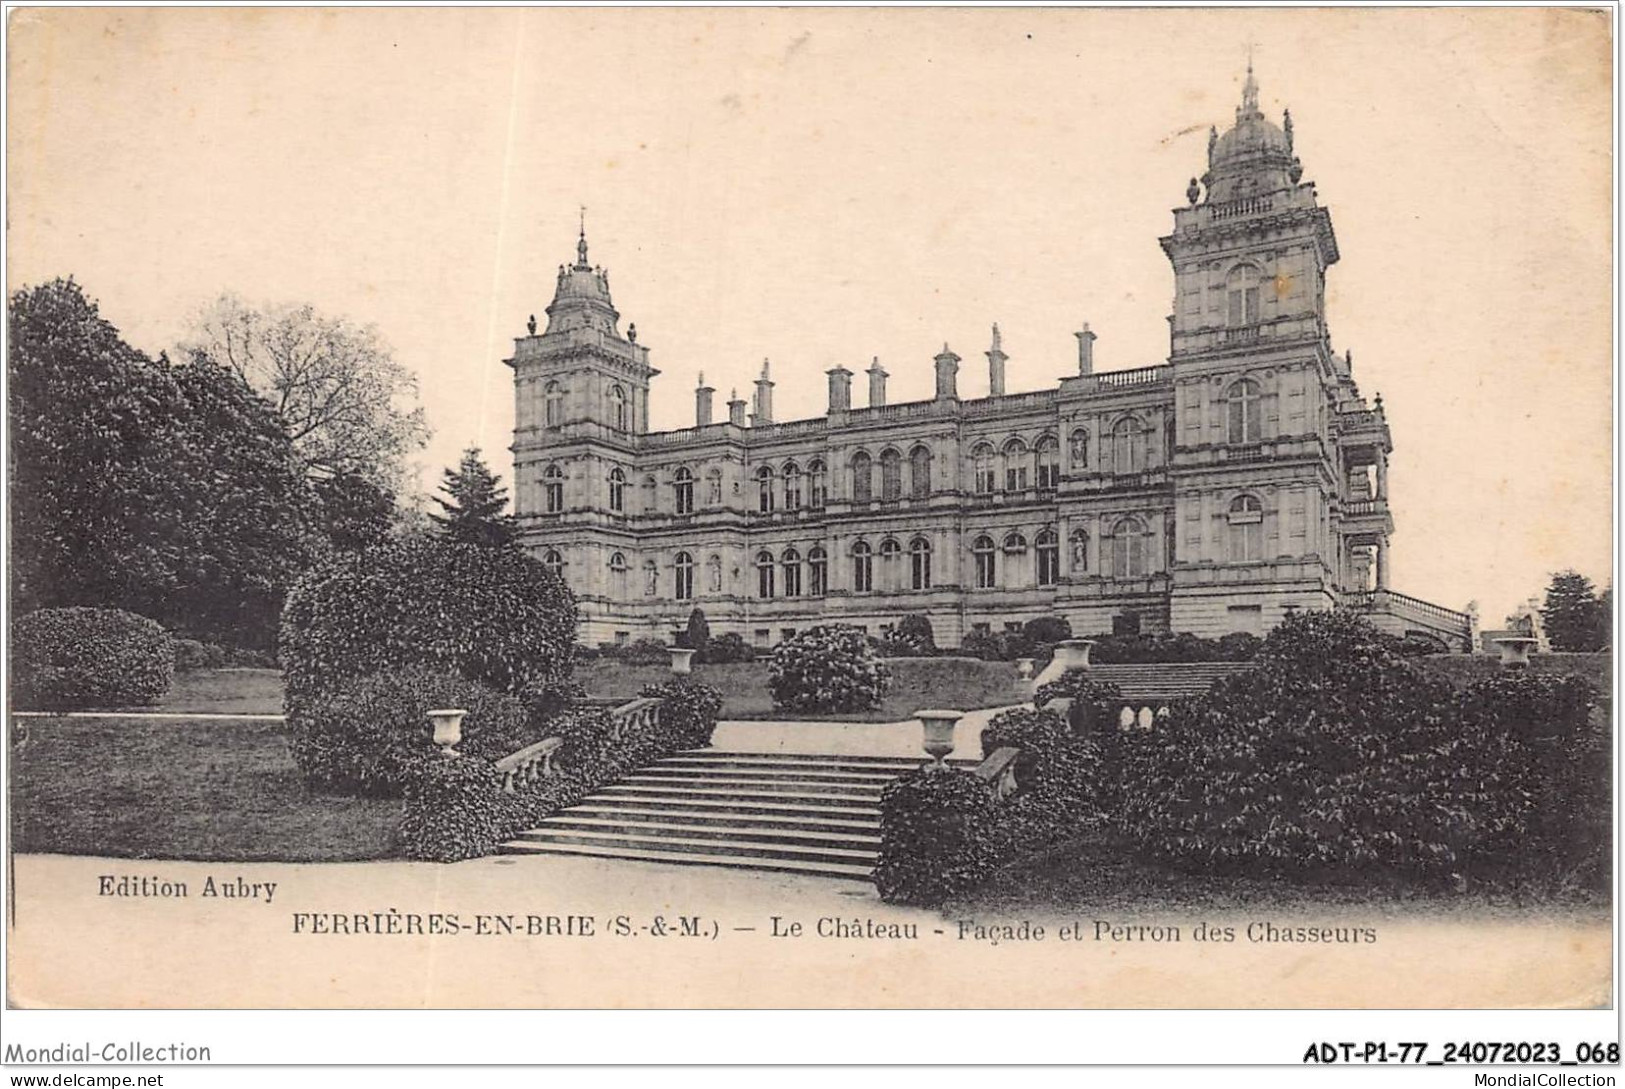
820 187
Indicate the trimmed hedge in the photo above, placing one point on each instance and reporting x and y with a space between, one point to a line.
936 836
445 824
690 711
78 657
830 668
370 734
496 616
1183 647
454 810
942 833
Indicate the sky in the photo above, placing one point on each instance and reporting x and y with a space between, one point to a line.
824 186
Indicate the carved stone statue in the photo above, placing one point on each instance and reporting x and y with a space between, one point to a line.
714 496
1080 551
651 579
531 325
1080 449
714 566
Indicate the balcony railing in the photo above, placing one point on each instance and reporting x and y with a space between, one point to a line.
1159 375
1248 206
1356 507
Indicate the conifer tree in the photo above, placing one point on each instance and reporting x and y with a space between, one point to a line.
476 504
1574 616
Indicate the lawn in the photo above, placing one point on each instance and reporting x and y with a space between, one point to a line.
226 691
208 791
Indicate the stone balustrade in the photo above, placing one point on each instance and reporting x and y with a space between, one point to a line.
534 763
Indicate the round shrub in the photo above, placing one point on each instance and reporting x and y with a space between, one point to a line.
690 710
454 809
369 734
76 657
912 638
193 654
646 652
730 647
492 615
936 836
1047 629
1094 703
827 669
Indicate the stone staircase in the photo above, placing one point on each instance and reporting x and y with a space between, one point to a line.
789 812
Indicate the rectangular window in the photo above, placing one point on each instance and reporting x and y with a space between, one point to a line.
786 633
622 638
763 637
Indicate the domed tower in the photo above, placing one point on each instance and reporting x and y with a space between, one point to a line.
581 390
1251 249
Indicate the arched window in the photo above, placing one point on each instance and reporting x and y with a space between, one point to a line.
981 551
683 487
791 562
863 568
1244 406
919 563
1049 558
1015 466
553 404
553 489
1080 449
1128 446
792 486
891 475
891 554
1128 549
764 490
982 467
817 484
617 575
919 472
817 572
1047 454
1241 292
1246 529
617 407
1080 551
764 574
553 562
862 477
683 568
617 490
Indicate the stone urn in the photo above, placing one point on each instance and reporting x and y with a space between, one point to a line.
448 729
1069 654
682 659
1024 668
937 735
1515 650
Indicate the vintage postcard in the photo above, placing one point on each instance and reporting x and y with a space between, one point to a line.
811 508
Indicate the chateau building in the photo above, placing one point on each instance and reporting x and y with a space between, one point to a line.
1244 477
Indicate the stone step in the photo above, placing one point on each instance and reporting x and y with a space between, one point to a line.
862 822
766 773
724 805
850 871
895 765
855 840
702 781
626 791
702 844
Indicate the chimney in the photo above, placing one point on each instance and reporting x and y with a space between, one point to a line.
764 398
1086 350
702 403
736 409
877 384
947 374
840 389
995 366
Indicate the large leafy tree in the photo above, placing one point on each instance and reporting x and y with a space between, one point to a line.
171 491
347 404
1576 618
475 504
356 513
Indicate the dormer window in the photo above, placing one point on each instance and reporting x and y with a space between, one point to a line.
617 407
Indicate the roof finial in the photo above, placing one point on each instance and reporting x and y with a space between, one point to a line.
1249 89
996 336
581 244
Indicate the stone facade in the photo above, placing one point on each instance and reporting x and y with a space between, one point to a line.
1243 478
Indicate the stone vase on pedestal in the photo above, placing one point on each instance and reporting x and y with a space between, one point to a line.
1069 654
682 659
937 730
448 728
1515 650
